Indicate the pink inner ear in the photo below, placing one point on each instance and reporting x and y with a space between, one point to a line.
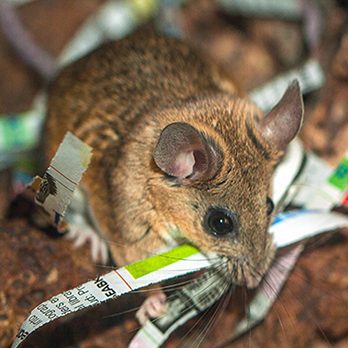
183 152
183 164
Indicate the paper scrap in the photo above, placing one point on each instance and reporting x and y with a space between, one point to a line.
286 9
109 286
310 76
63 176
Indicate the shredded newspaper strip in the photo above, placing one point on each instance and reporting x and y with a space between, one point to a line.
203 292
114 20
183 305
182 260
310 76
286 9
63 176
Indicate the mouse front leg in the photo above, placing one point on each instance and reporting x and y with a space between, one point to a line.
82 230
153 307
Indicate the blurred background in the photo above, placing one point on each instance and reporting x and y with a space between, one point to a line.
256 42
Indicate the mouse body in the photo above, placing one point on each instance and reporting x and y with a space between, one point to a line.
179 154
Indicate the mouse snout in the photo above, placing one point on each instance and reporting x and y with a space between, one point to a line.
247 272
244 272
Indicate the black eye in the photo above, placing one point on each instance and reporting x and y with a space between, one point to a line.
220 222
270 206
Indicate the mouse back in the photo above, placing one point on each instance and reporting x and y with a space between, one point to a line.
179 154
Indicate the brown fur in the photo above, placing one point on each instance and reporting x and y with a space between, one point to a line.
118 99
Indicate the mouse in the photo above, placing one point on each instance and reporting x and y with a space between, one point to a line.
180 154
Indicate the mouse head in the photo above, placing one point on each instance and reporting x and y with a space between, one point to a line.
216 172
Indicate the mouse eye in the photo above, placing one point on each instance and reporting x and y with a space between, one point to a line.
220 222
270 206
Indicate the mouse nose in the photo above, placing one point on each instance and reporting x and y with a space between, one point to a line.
245 272
242 259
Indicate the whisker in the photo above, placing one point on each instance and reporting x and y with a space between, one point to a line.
217 312
205 313
271 291
297 274
153 319
169 288
212 273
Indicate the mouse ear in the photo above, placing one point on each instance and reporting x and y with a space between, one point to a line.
284 121
183 152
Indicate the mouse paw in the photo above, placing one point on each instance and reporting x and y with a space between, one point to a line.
153 307
81 234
